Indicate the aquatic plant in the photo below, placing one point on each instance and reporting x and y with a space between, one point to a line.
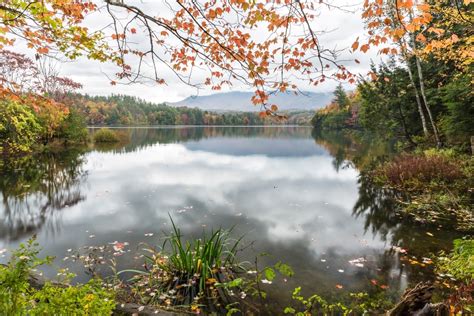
105 135
187 273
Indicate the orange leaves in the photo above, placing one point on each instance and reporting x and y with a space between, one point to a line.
421 38
43 50
355 45
364 48
116 36
373 76
133 30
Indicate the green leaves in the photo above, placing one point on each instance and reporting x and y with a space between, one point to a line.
284 269
17 297
269 274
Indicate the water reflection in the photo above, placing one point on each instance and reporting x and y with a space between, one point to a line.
35 188
294 196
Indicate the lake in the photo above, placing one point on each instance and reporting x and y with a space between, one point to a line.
293 196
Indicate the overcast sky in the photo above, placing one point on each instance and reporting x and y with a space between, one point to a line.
344 28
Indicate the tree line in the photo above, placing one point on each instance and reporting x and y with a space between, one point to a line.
123 110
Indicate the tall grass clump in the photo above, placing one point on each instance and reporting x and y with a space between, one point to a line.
202 257
105 135
188 273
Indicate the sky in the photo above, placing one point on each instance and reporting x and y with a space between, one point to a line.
342 28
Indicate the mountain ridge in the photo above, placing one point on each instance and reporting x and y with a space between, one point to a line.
241 101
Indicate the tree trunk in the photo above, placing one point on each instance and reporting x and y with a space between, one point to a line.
417 96
422 87
423 95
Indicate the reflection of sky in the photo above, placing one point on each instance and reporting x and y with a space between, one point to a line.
291 202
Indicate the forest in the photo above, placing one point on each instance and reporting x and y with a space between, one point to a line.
121 110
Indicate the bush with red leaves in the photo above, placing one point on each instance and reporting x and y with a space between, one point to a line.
410 171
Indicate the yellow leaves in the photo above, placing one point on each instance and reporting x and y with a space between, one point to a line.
274 107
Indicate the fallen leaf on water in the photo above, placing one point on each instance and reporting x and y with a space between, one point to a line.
373 281
384 287
429 234
338 286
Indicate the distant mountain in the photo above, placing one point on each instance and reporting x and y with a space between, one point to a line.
241 101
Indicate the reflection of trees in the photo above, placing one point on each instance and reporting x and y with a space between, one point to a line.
353 148
35 187
139 138
378 206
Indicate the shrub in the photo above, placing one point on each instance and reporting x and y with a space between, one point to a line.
73 129
19 128
459 264
18 297
105 135
414 171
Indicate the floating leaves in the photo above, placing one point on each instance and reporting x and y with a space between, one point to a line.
359 262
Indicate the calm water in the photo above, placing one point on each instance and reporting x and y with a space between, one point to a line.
293 196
